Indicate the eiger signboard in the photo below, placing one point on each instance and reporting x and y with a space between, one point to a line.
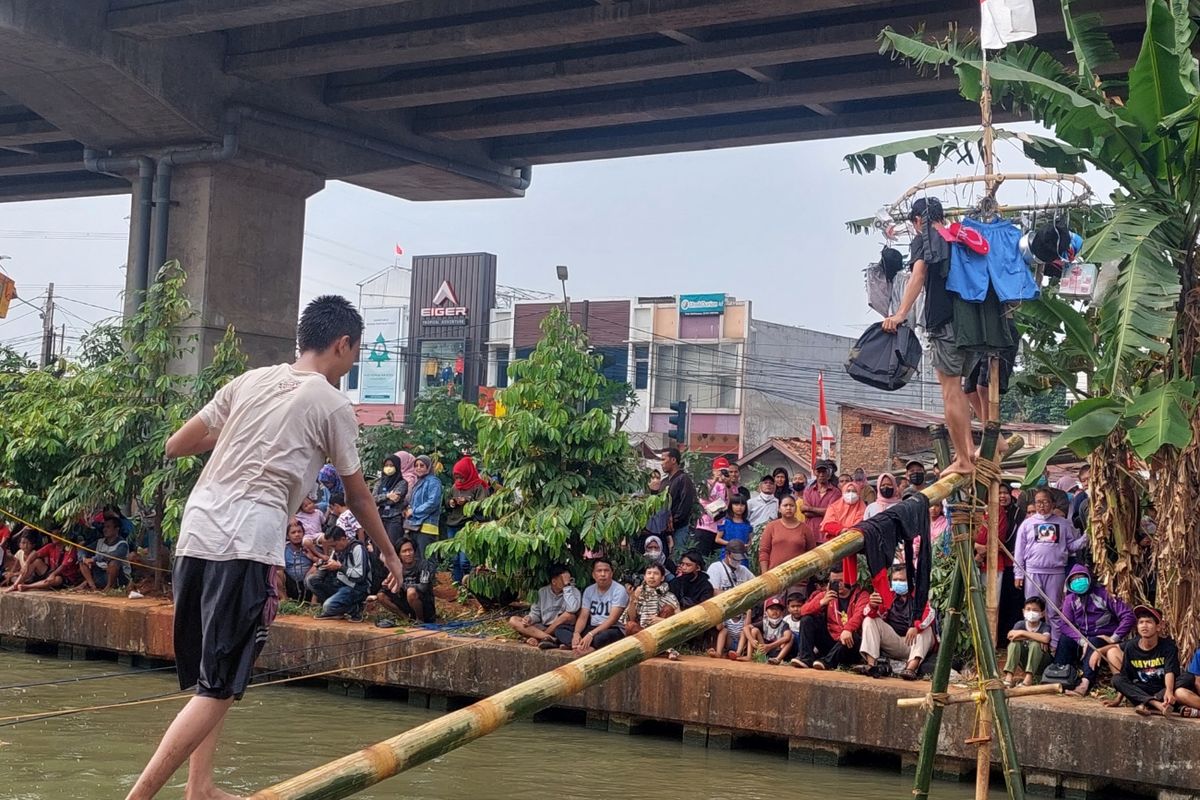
695 304
445 308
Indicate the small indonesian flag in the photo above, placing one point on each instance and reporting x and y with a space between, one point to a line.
823 418
1006 21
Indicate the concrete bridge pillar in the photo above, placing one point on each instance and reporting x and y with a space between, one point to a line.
238 230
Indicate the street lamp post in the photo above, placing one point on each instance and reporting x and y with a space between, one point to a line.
561 269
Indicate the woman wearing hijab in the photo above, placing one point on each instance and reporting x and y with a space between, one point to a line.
468 488
843 513
391 490
407 464
886 495
424 512
783 487
654 553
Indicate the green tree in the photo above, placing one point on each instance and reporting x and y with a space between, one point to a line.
1140 342
97 434
569 479
434 428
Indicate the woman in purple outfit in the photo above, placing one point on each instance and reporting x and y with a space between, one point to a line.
1045 542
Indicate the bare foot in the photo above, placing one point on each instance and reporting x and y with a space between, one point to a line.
1143 711
1113 702
712 653
959 466
1081 690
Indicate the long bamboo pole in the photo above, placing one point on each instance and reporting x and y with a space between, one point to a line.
966 563
951 630
975 697
993 539
357 771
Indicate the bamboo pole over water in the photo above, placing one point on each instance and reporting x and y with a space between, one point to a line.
357 771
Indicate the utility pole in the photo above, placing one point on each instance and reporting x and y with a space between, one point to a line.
62 340
48 327
687 445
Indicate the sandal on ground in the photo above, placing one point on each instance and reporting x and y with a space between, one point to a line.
672 654
385 623
861 669
1189 713
1144 711
732 656
548 644
773 661
909 674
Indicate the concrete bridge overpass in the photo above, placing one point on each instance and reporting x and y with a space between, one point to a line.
245 107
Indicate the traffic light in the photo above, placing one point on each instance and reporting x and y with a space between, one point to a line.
677 422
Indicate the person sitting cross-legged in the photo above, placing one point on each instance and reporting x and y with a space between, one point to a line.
342 582
109 566
830 633
899 630
1029 644
557 605
771 636
650 603
1149 675
414 596
603 603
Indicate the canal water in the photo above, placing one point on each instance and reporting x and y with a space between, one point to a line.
277 732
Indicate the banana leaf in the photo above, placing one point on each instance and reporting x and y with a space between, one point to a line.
1082 436
1162 417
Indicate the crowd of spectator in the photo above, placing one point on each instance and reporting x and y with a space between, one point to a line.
100 551
1059 625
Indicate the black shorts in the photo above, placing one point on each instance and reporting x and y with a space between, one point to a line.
222 612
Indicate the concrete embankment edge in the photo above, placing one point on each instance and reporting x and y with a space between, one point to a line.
1069 747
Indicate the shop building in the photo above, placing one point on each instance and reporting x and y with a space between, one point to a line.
746 380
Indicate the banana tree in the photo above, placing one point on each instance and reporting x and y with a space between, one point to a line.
1139 343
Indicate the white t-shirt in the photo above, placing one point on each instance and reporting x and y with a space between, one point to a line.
601 604
275 427
724 577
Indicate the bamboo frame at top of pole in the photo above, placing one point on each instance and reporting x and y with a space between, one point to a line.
357 771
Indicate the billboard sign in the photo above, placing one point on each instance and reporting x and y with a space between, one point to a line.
695 304
379 360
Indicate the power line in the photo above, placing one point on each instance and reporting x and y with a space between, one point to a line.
91 305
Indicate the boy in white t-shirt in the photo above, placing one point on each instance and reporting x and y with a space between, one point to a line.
270 430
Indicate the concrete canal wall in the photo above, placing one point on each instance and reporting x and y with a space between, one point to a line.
1070 748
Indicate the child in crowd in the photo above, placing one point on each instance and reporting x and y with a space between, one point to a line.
795 607
650 603
772 635
345 519
297 562
1028 644
735 526
342 582
731 641
15 562
1150 678
311 519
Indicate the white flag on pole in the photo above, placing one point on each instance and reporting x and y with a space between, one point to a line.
1005 21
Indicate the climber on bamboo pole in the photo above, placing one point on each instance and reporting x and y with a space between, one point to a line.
269 431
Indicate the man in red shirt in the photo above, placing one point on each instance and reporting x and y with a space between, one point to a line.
831 625
819 496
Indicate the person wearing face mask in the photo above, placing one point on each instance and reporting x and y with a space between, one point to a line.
391 490
899 630
1028 644
885 495
831 630
1094 623
843 513
818 497
691 585
916 474
653 553
763 506
1045 542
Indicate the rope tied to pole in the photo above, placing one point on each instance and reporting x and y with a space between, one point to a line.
935 699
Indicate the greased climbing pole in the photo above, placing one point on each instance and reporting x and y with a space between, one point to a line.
355 772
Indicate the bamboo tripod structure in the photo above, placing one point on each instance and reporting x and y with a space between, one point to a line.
965 586
355 772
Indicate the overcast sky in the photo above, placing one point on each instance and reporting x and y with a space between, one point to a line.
762 223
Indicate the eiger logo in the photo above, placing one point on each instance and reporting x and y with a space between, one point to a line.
445 295
445 303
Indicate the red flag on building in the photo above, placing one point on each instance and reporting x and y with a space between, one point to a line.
826 431
399 250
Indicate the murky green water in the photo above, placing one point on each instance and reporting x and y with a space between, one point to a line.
277 732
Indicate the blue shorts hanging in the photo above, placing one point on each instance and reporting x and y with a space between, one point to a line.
1002 268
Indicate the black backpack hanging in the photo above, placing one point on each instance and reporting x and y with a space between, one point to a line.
885 360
